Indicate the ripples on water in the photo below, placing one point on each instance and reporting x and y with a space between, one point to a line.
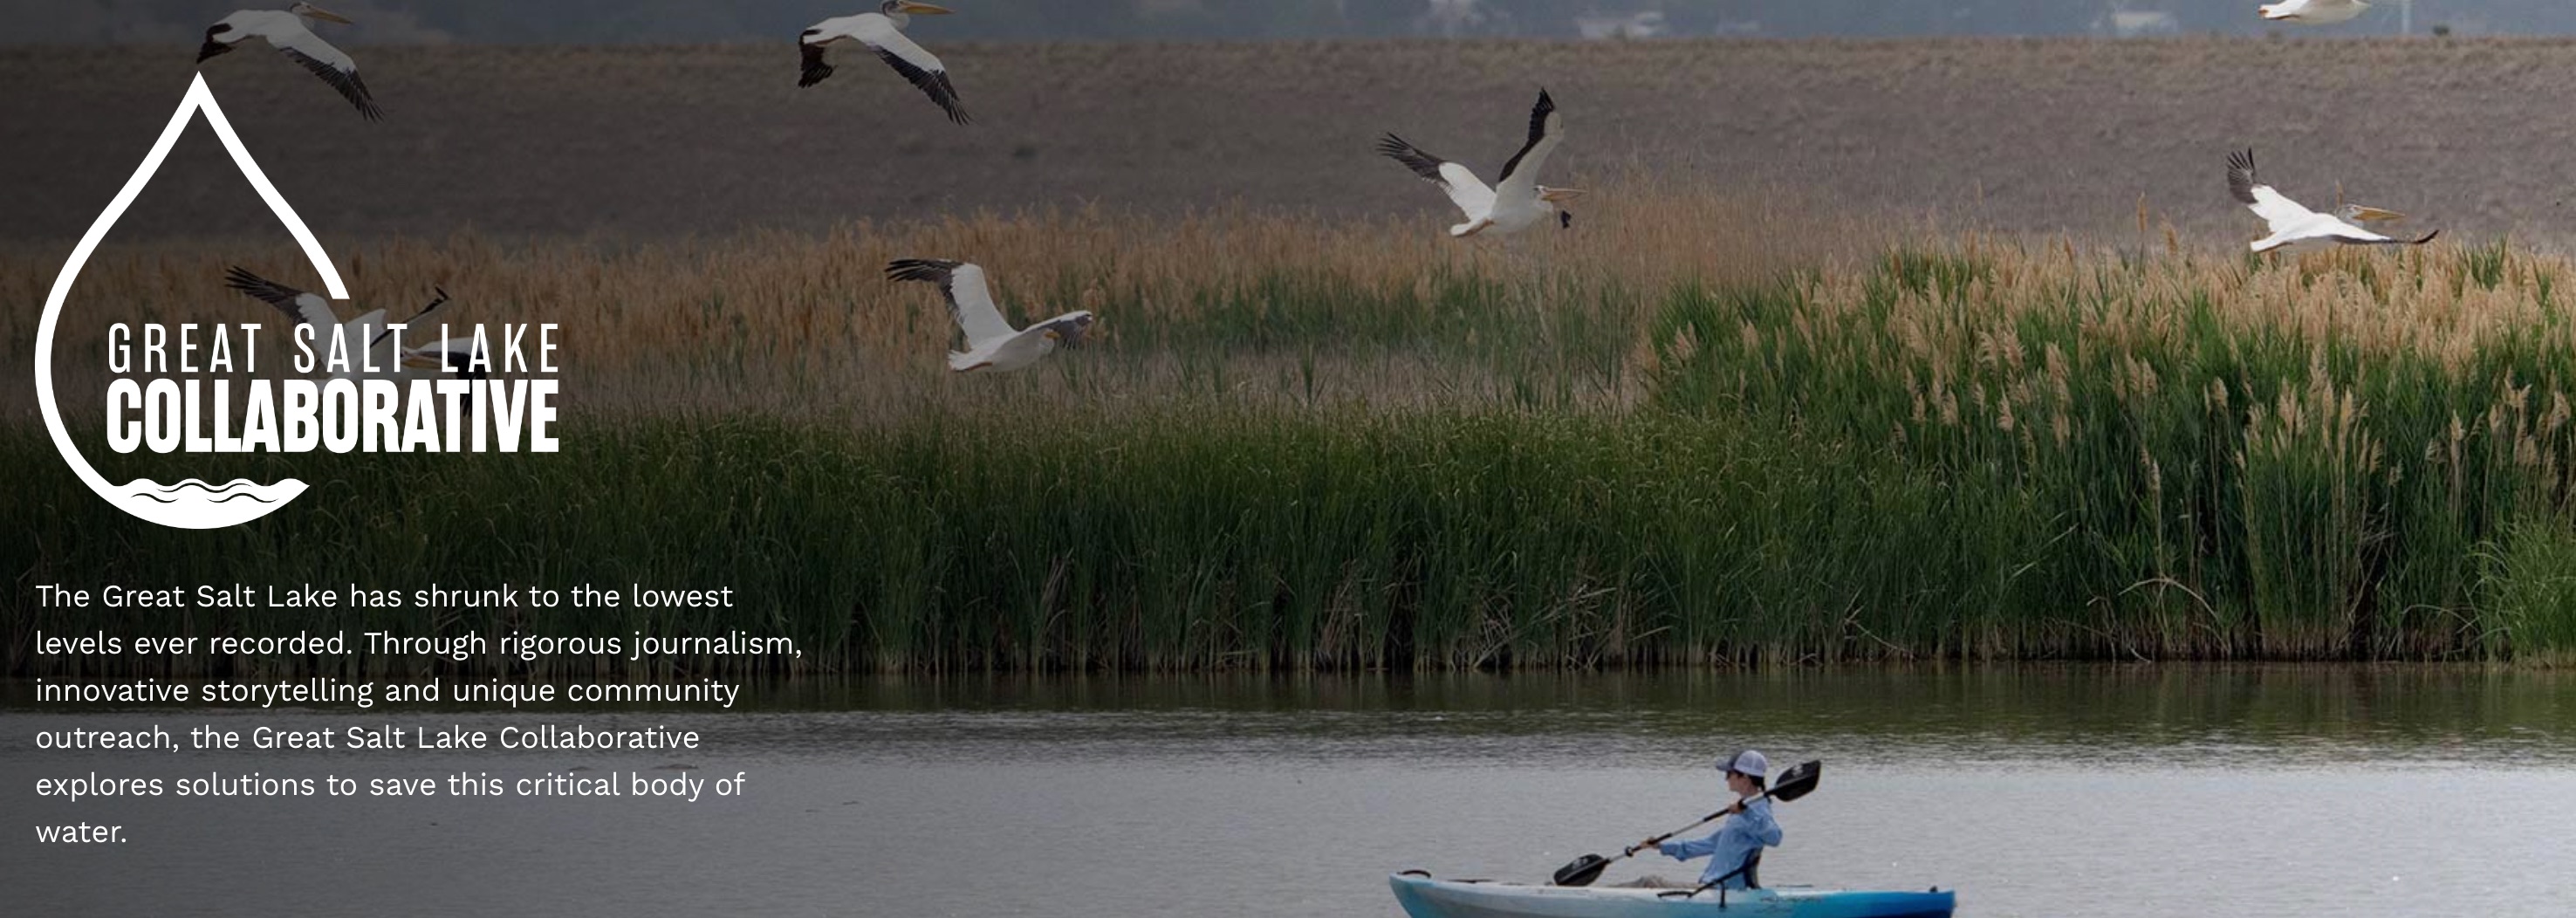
2130 792
2117 717
2072 717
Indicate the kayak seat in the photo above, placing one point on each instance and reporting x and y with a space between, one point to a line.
1751 871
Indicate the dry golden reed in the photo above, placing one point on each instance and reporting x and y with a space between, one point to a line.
787 321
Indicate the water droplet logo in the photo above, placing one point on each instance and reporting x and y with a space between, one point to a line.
189 504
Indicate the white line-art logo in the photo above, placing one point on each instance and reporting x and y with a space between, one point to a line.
189 504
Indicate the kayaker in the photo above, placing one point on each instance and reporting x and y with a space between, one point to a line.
1748 828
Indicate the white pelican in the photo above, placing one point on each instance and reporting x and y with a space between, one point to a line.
991 342
2316 12
1517 199
365 335
285 31
2295 226
882 32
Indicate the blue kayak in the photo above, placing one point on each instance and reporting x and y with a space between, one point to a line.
1424 897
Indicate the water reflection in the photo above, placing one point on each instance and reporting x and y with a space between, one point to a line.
2081 716
2133 792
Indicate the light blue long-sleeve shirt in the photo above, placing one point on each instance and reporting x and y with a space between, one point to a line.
1727 847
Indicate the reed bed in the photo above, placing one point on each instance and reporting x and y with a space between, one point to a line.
1232 300
1697 432
2350 455
1186 536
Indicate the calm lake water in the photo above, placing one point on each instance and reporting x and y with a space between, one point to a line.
2093 791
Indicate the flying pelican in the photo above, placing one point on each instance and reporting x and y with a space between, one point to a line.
1517 200
285 31
366 335
991 342
2316 12
882 32
2295 226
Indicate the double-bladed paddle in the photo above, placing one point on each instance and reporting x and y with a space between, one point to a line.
1794 783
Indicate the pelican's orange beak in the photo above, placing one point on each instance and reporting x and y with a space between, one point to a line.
923 9
2373 214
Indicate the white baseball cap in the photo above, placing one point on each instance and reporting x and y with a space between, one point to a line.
1748 762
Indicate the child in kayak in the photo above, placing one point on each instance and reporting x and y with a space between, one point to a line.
1748 828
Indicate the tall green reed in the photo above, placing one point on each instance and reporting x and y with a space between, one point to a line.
1973 451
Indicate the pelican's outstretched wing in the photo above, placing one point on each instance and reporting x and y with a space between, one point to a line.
1461 183
333 66
969 299
214 46
816 68
2275 208
387 331
1546 130
2313 11
914 62
304 308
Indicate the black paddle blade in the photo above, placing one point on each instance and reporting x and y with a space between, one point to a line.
1583 871
1797 782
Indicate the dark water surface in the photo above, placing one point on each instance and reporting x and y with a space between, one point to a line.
2095 790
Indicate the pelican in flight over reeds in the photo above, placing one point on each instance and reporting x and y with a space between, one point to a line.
366 335
991 342
2294 226
284 29
1517 200
2313 12
882 32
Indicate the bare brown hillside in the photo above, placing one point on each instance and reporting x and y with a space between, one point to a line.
655 142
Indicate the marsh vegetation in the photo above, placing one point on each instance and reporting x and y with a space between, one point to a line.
1703 430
